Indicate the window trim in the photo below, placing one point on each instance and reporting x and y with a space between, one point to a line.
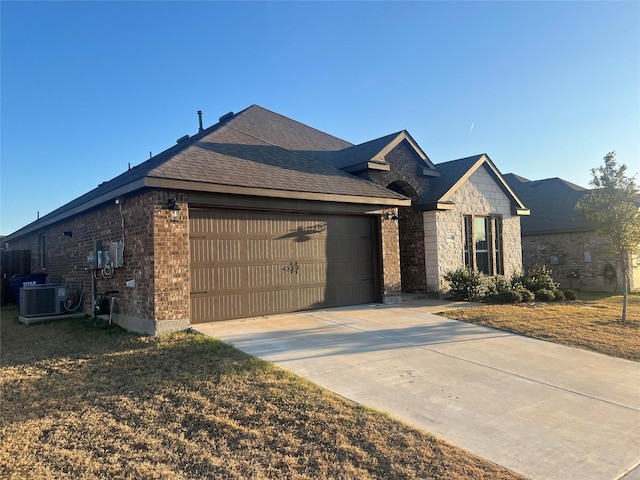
495 251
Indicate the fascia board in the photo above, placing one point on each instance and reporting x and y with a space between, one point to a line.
272 193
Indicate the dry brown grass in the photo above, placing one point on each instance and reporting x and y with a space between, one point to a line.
81 401
591 323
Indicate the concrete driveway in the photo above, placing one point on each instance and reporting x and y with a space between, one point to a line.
542 410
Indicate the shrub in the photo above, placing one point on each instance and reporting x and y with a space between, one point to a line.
545 295
569 294
500 290
559 294
539 278
506 296
497 285
527 295
466 284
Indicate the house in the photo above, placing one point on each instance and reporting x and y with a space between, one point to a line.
260 214
557 236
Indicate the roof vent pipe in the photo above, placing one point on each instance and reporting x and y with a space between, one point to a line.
200 121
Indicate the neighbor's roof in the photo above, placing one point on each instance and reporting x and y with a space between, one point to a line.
455 172
552 202
254 152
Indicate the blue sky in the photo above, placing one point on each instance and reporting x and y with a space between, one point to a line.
546 89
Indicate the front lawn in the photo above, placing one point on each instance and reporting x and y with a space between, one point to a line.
82 401
591 322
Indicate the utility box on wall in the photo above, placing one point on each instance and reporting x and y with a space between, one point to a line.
116 254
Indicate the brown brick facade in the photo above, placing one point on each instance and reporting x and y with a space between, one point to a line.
156 256
391 278
577 260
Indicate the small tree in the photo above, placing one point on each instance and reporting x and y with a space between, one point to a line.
613 207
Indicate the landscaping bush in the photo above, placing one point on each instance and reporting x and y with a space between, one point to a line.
536 284
558 294
466 284
527 295
545 295
539 278
500 290
506 296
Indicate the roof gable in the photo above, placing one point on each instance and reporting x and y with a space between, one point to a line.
454 173
372 154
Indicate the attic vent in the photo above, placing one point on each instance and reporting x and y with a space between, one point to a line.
182 139
226 116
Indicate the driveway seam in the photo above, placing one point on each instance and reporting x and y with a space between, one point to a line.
507 372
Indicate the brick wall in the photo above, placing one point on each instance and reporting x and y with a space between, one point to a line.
391 292
404 176
171 267
156 256
577 260
412 250
404 169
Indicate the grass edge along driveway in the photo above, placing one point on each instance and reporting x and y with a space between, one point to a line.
591 322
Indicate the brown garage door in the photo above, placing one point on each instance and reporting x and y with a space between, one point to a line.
247 263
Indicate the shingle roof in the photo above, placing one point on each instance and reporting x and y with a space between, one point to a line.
450 173
454 172
359 153
552 203
255 148
229 156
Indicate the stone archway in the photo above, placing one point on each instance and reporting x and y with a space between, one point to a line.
411 237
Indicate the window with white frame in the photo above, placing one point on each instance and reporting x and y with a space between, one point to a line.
483 244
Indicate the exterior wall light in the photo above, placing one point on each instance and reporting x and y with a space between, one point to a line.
390 216
173 206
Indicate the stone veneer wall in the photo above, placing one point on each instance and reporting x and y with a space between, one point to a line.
158 261
444 234
577 260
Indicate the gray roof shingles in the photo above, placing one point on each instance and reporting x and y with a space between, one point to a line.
253 148
552 203
450 173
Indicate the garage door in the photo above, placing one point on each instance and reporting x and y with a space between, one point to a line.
245 263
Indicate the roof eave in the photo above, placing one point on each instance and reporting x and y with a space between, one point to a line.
62 213
358 167
437 206
271 193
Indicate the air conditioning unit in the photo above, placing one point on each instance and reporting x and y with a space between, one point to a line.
37 300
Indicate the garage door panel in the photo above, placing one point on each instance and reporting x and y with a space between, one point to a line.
310 273
272 301
312 297
268 249
256 263
261 276
219 307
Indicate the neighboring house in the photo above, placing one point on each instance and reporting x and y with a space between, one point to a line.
557 236
260 214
